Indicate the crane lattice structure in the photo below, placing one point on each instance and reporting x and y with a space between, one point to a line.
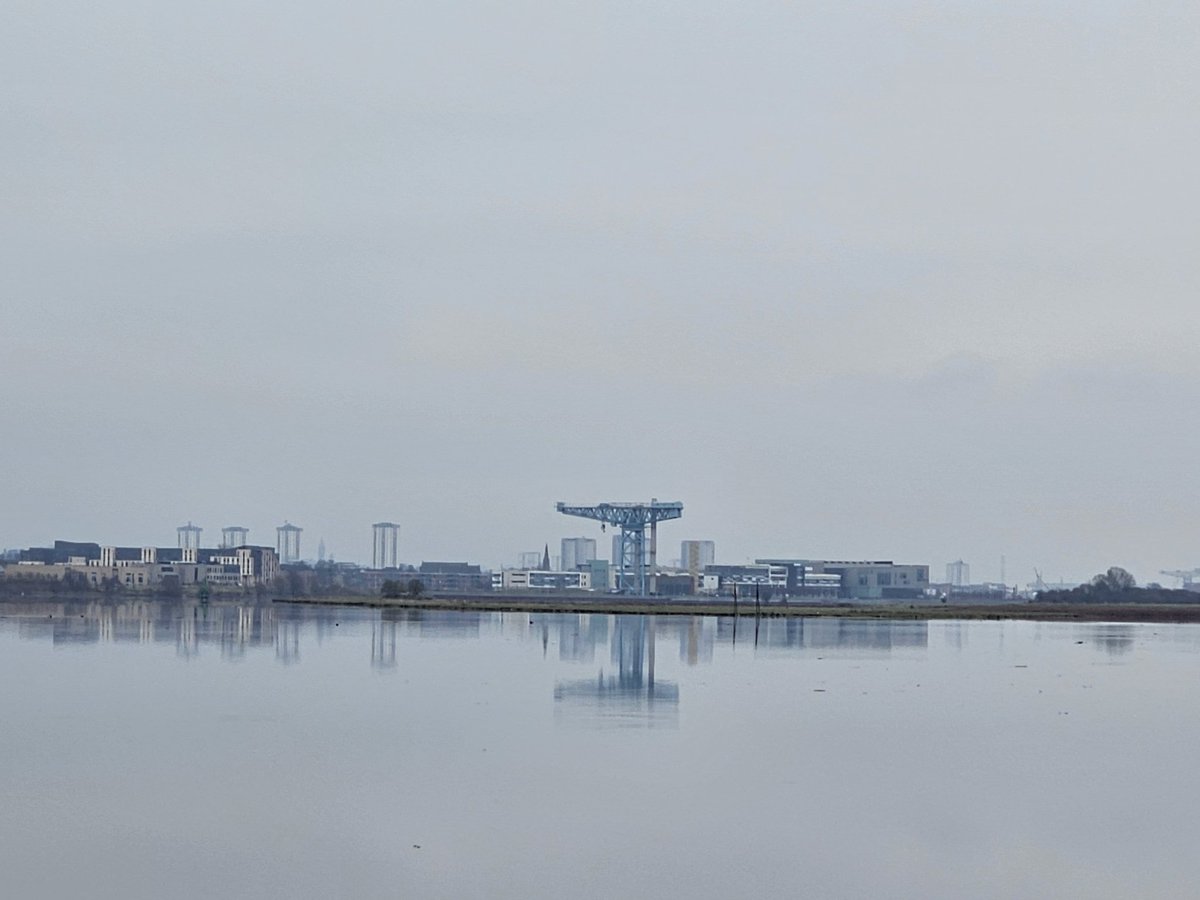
1186 576
633 519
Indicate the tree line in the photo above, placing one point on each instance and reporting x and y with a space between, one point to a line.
1117 585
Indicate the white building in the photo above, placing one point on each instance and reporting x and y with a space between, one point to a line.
545 580
577 552
958 573
151 567
696 556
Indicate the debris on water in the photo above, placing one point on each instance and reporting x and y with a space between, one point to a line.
1079 642
416 846
818 690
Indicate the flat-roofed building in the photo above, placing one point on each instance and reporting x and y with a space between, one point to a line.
860 579
546 580
153 567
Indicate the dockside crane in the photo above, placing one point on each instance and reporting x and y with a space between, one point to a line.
633 519
1187 577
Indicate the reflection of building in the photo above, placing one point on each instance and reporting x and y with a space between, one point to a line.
696 640
383 644
189 625
821 633
438 623
578 634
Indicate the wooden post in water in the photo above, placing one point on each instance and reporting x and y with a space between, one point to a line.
756 613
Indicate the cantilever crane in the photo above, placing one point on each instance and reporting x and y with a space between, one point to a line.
1186 576
632 518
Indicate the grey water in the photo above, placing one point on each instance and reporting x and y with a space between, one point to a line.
152 750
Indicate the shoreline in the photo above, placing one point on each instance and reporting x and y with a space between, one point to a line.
1042 612
1177 613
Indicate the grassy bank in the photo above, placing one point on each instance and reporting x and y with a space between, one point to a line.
1045 612
662 606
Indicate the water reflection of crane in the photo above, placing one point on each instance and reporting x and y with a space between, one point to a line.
632 693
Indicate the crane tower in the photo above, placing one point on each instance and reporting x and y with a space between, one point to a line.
633 519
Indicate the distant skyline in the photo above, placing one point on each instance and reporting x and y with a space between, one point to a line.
897 280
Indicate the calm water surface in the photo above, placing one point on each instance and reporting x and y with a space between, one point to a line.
157 750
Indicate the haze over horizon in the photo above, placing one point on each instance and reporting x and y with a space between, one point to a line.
904 280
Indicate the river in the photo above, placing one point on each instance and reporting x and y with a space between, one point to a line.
158 750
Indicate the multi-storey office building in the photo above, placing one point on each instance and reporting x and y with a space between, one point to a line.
149 567
577 552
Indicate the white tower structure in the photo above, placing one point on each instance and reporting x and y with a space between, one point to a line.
188 536
385 553
958 573
234 536
695 556
287 542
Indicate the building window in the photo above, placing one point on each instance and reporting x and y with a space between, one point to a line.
883 578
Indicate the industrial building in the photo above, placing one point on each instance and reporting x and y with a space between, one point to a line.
858 580
814 579
453 576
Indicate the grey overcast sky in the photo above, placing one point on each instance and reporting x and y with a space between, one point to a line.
908 280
